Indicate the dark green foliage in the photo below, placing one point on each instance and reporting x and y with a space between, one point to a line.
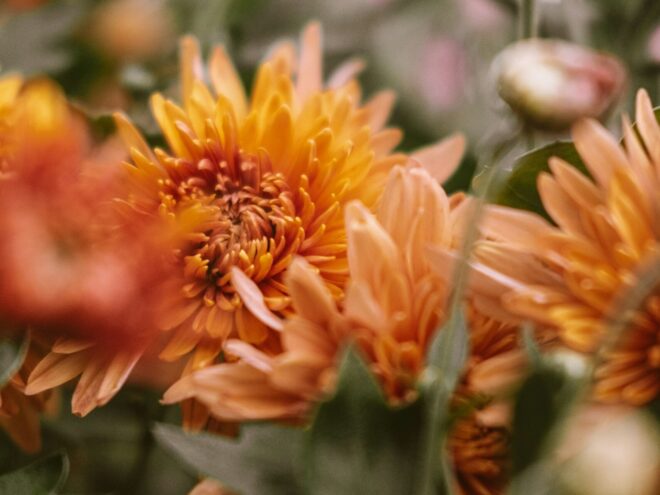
43 477
520 190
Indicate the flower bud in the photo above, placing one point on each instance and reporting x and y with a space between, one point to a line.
132 29
611 451
552 83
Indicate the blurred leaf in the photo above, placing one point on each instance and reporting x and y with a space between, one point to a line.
261 462
102 126
520 190
654 409
536 411
206 19
12 354
33 42
360 444
541 405
530 344
450 347
43 477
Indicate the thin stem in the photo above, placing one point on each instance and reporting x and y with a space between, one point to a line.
527 19
135 479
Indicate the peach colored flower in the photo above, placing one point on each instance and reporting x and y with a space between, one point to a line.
606 235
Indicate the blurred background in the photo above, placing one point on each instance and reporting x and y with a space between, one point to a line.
436 54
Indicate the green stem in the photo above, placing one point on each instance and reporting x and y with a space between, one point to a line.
527 19
135 479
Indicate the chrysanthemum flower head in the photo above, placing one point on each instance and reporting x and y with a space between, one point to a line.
606 235
273 173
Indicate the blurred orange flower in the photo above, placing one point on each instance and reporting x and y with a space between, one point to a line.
80 270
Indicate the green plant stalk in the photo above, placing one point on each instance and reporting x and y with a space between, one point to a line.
440 389
527 19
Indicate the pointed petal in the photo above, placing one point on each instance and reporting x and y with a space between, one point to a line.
191 65
310 78
55 369
311 298
379 109
599 150
131 136
441 159
648 126
227 82
345 72
253 299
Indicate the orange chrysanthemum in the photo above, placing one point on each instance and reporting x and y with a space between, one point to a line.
273 174
607 234
90 287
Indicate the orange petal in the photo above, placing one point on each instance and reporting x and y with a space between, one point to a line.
599 150
310 78
226 81
55 369
253 299
441 159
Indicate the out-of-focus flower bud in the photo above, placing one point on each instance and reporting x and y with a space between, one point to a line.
132 29
552 83
611 451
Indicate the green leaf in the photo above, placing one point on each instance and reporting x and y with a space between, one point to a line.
262 461
358 443
43 477
653 408
520 190
541 405
12 355
536 410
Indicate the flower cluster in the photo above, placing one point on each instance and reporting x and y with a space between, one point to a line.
275 229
